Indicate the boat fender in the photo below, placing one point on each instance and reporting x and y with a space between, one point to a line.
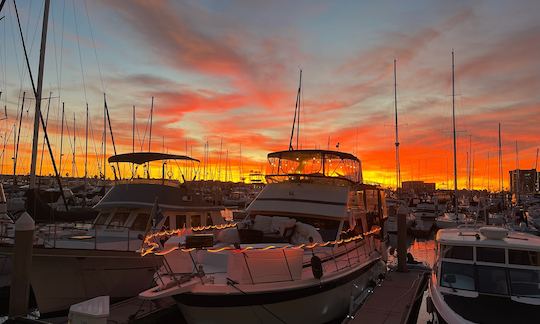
316 267
429 305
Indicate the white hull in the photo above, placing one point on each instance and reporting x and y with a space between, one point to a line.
315 305
63 277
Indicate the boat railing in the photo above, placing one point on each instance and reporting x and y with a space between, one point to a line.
317 178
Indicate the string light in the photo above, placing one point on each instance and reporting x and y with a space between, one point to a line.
151 247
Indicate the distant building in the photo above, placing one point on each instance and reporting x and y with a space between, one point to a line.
523 181
418 187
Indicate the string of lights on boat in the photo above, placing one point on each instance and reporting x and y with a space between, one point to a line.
151 247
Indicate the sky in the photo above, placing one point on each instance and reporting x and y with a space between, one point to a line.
226 73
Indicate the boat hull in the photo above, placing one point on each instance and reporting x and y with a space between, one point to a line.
63 277
321 303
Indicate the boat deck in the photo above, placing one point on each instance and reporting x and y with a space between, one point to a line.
395 300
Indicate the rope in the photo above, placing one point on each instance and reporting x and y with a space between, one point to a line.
94 46
79 48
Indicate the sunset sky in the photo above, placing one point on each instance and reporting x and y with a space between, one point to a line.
228 70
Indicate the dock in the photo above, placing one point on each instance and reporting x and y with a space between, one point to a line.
396 300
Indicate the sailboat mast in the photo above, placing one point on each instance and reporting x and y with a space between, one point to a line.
501 179
488 175
39 90
151 116
133 131
73 166
104 138
299 105
454 134
16 153
517 189
398 171
86 149
61 140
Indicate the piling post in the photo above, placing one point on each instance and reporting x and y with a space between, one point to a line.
22 262
402 238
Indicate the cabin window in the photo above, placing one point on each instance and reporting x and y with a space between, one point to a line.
488 254
360 200
101 219
492 280
326 227
180 221
530 258
524 282
457 252
457 275
209 220
195 220
119 219
372 200
140 222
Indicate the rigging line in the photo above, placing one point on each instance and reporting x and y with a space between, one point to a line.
145 130
19 66
79 48
61 64
94 45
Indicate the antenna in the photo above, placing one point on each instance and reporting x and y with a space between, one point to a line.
296 112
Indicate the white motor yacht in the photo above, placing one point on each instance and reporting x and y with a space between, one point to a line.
312 242
72 264
485 275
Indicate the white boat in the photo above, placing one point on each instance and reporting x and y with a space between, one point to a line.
485 275
426 210
451 220
73 264
310 244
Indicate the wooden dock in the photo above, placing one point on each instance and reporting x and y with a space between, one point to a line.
395 301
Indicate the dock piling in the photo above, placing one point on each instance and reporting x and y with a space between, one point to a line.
19 291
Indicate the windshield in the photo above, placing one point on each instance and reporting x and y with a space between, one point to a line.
491 280
315 163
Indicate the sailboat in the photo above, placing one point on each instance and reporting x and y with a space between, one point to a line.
448 220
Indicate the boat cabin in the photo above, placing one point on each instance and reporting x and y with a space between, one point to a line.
487 262
320 188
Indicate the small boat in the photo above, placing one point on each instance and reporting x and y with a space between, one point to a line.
485 275
311 243
450 220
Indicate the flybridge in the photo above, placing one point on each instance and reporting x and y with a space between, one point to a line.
314 163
